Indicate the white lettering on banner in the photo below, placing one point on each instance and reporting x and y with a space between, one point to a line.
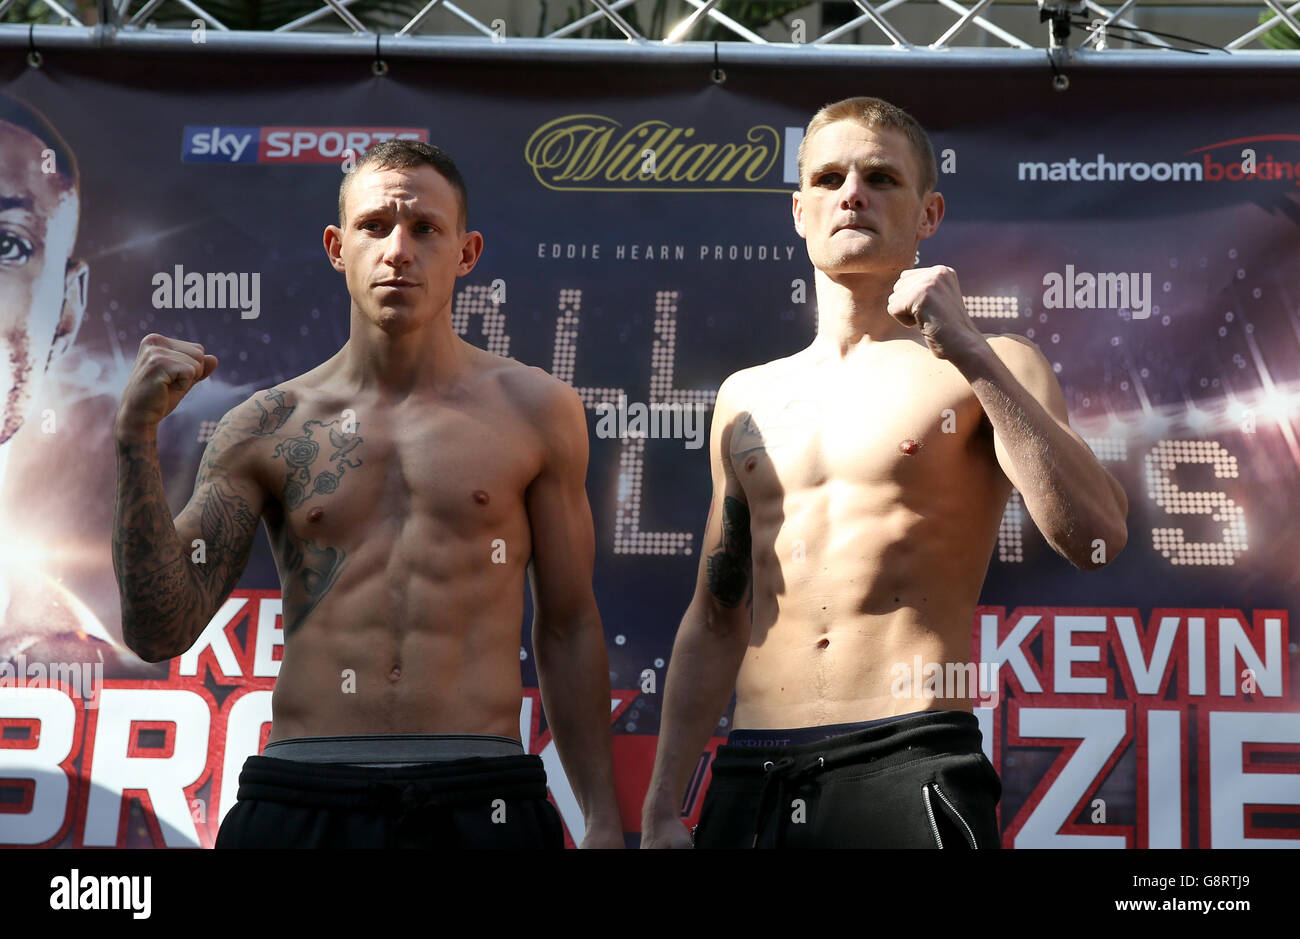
1102 170
1100 730
247 716
1147 679
1102 680
1164 782
1067 654
162 778
216 142
214 637
1233 642
327 143
1010 651
1232 788
55 717
269 637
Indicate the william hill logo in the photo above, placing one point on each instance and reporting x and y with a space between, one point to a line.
591 151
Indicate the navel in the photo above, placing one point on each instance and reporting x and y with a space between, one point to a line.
823 643
395 674
750 464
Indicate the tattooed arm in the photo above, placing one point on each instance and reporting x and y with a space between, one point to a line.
174 576
710 642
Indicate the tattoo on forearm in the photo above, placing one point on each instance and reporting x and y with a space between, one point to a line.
300 454
169 588
152 570
730 566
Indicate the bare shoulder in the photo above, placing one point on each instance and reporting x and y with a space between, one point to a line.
240 429
538 396
743 388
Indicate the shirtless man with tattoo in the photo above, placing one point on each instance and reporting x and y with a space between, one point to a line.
407 484
858 488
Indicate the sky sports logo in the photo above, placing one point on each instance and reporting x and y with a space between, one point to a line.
223 144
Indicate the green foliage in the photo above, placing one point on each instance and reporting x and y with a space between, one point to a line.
1280 36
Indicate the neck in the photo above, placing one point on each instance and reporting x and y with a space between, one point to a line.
853 311
426 358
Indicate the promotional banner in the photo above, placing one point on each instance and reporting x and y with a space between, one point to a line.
639 246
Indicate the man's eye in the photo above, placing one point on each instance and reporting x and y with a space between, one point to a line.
829 178
14 249
881 178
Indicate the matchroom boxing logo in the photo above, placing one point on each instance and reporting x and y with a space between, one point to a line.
1241 159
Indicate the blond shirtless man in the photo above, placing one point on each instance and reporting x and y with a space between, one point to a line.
407 484
858 487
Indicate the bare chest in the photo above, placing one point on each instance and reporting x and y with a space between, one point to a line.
339 477
908 429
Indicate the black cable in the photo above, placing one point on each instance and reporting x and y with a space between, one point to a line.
1088 25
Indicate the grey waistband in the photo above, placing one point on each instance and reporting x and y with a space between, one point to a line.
392 749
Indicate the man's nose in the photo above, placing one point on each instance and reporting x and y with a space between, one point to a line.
397 250
853 194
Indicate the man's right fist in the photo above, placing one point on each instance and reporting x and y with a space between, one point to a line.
164 372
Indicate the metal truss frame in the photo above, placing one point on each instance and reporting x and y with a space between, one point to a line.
333 27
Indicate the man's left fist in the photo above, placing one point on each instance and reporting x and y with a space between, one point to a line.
929 298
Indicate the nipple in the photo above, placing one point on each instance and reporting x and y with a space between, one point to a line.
315 514
481 497
909 446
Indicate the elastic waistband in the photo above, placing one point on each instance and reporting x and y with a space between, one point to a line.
769 739
345 785
910 737
392 749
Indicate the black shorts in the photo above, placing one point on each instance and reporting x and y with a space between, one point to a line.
496 802
917 782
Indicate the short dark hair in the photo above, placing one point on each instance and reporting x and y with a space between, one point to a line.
21 114
399 154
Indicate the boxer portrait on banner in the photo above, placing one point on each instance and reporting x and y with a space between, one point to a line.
43 292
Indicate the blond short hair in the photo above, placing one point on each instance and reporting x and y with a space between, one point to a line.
874 113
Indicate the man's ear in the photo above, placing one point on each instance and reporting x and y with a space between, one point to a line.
471 249
334 247
796 210
931 215
76 288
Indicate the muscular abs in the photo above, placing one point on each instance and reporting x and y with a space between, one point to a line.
401 539
872 497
